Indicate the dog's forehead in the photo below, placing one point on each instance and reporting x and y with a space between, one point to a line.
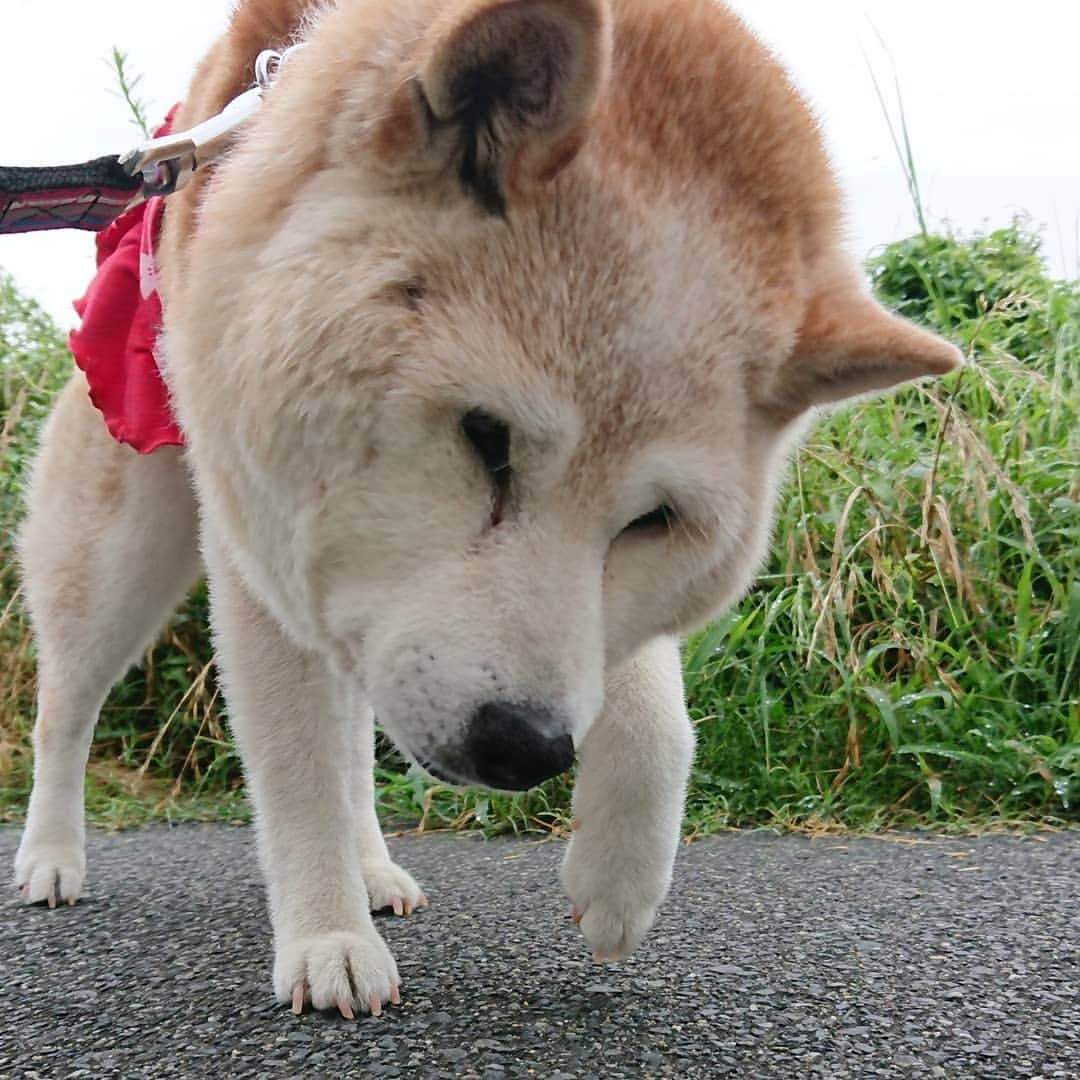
631 314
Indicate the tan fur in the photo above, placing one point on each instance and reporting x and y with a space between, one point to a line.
610 227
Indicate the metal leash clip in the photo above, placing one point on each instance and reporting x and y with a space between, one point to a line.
167 163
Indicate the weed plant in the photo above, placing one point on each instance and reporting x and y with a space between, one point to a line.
910 654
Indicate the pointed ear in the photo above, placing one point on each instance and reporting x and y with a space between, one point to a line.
849 345
500 90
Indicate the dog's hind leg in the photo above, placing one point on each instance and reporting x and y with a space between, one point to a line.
108 547
628 802
388 885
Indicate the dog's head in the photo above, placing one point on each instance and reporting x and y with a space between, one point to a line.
490 343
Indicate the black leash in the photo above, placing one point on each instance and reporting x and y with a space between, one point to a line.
87 196
94 194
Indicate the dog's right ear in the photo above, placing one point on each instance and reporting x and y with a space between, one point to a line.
501 92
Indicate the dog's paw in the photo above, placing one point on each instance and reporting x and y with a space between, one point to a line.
614 902
389 886
50 873
612 928
347 971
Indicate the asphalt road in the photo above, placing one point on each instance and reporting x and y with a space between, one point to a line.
775 957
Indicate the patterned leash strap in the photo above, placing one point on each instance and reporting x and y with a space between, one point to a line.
94 194
87 196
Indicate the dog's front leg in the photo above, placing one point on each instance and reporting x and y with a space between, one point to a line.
388 885
628 802
295 749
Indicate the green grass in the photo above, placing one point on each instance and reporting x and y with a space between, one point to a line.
910 655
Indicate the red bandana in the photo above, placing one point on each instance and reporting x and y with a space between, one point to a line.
121 318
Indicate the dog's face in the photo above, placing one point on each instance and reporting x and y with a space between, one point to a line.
529 493
488 371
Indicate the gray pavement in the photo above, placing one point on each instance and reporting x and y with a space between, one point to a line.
774 957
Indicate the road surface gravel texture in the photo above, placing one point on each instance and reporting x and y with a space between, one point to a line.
776 956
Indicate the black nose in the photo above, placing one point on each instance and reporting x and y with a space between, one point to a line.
510 746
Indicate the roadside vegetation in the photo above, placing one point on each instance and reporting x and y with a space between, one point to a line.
910 654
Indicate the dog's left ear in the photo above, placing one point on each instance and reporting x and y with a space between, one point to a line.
501 91
848 345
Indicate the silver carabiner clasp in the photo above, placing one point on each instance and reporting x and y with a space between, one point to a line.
167 162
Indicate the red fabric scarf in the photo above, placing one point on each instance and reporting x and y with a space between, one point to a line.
121 317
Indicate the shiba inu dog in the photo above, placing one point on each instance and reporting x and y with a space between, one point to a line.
488 339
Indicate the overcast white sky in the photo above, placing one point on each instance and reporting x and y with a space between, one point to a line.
990 88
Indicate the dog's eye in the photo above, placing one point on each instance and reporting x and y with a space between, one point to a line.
490 438
659 520
413 293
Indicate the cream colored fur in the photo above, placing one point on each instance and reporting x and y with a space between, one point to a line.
610 227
